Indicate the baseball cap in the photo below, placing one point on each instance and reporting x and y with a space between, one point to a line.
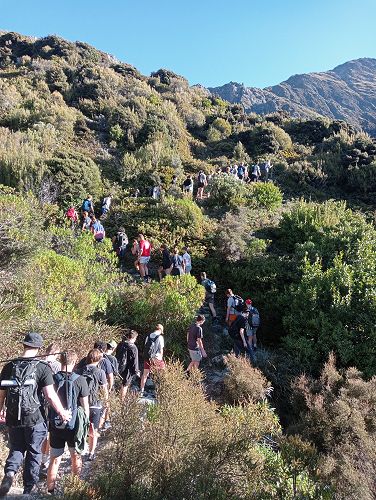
248 302
33 339
112 344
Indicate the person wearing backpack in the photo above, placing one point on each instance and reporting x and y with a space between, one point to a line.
127 356
237 331
177 263
119 245
96 381
166 266
195 344
22 381
234 306
73 392
201 183
72 216
253 324
104 364
210 290
97 229
87 205
106 203
188 185
153 354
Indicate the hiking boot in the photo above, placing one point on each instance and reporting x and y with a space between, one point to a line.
107 425
6 483
91 457
28 490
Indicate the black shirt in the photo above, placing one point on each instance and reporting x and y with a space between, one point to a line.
239 324
166 259
43 378
104 364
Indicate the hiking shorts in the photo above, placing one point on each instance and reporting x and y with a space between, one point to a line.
58 438
209 298
188 269
95 417
144 260
154 364
195 354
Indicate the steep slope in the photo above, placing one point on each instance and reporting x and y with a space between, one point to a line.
348 92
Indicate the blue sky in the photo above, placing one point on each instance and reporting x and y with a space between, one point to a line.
255 42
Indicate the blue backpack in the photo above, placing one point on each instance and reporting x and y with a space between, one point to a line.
66 391
86 206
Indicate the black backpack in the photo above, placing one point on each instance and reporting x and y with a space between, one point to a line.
233 330
93 384
150 349
114 363
238 303
121 241
22 389
67 393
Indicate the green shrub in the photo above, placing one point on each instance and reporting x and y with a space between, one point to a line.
226 191
173 302
266 195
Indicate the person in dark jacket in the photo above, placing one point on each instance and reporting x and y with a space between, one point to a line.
127 356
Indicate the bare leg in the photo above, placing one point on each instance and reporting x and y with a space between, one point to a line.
93 439
52 472
193 364
123 392
142 270
145 375
212 310
76 461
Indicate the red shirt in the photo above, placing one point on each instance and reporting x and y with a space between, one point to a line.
145 248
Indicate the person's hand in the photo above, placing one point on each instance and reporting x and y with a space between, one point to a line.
66 415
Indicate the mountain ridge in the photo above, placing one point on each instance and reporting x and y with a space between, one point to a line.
346 92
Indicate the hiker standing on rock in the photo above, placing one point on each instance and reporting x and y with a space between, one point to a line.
144 256
237 332
195 344
127 356
22 381
210 290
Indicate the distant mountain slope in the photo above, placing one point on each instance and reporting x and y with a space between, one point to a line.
348 92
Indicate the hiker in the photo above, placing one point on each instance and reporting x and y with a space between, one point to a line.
153 354
234 306
253 324
52 352
210 290
237 331
127 357
135 249
195 344
144 256
240 172
22 381
255 175
156 193
86 221
267 170
96 381
188 185
108 354
119 245
73 392
201 183
72 216
104 364
166 266
187 260
97 229
106 203
177 263
87 205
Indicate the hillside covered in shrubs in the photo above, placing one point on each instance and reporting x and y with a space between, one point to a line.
298 423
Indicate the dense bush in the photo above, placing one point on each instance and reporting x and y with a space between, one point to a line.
173 302
265 195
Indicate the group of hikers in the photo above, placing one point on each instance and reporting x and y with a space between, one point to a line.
54 399
88 220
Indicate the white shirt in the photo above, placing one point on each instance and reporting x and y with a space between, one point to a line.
187 259
107 202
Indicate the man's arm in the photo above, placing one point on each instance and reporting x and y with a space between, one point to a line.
52 397
84 402
241 332
201 347
3 394
110 381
